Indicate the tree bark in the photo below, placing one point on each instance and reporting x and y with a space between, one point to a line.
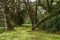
8 25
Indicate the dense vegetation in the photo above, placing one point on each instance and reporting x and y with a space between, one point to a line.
51 25
31 19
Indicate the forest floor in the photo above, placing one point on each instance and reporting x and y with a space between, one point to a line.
25 33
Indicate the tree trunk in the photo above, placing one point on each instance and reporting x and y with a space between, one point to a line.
44 19
35 16
8 25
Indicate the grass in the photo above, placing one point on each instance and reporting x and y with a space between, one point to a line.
26 25
2 30
24 33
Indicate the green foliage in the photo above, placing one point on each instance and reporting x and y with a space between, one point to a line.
2 30
51 25
1 22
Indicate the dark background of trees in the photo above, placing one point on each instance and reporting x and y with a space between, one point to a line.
42 14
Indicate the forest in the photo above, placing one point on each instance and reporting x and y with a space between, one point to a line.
29 19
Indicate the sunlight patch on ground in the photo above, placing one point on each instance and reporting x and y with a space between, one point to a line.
24 33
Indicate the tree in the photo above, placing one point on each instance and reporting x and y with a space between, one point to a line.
49 9
31 12
8 25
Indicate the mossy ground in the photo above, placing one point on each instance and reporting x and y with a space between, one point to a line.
25 33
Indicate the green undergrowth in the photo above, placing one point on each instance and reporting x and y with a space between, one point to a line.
24 33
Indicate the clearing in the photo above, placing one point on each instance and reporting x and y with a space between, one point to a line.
25 33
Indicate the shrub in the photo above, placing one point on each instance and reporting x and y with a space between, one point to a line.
51 25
